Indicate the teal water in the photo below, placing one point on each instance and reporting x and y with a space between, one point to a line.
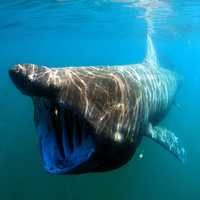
98 32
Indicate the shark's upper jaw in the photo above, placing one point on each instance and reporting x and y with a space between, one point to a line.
65 138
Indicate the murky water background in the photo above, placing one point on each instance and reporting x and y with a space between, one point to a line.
62 33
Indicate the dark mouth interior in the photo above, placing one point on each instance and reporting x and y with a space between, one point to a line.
68 142
70 129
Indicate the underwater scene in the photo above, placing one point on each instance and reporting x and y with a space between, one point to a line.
100 99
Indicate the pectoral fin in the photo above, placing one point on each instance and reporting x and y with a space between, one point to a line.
168 140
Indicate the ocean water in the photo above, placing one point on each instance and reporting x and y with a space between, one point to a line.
100 32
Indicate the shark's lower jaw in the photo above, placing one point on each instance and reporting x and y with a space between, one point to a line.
66 140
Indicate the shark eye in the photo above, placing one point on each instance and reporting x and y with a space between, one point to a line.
17 70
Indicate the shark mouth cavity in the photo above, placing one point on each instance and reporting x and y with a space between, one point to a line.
66 141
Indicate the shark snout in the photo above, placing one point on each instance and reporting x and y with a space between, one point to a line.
19 76
16 70
22 70
32 80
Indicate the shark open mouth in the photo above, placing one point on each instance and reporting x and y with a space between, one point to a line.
66 140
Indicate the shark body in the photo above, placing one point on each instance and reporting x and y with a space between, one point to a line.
93 118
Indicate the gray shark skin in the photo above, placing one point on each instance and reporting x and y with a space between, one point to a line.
92 119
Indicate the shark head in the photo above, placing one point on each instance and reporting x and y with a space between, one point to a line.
82 116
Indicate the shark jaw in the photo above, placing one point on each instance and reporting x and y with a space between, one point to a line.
66 138
70 145
73 141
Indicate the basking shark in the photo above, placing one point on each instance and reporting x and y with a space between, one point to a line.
92 118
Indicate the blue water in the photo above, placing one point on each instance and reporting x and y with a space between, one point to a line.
99 32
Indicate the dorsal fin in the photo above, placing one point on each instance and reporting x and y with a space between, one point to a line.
151 57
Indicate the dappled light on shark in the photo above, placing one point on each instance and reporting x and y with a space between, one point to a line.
92 118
